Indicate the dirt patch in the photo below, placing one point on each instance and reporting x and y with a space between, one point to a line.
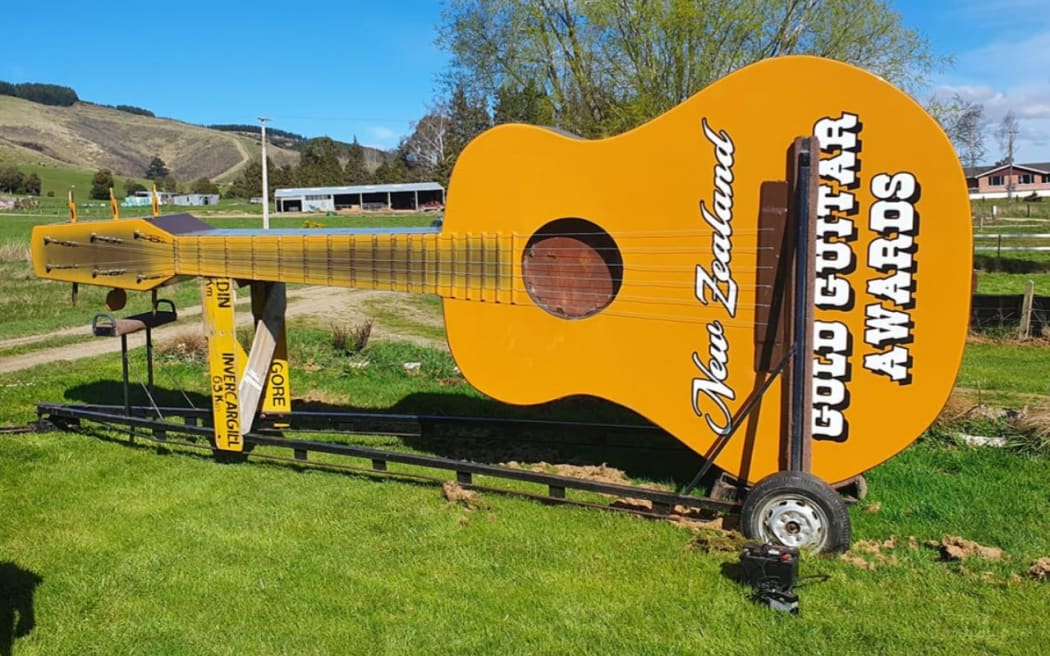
871 554
953 548
963 406
599 473
458 496
708 539
1040 570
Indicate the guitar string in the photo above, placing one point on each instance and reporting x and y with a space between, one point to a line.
394 270
477 280
407 264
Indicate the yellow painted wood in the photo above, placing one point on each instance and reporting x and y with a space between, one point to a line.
645 189
226 361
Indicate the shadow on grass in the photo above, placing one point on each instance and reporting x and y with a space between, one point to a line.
575 431
17 616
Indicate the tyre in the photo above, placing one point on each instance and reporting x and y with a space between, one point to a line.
796 509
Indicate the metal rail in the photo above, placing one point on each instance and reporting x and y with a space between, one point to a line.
157 430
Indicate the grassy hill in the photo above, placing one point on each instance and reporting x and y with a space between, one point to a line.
89 137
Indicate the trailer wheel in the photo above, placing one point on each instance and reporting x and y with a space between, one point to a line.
796 509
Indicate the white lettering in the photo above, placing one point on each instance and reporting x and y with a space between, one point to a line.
896 288
894 363
837 133
885 325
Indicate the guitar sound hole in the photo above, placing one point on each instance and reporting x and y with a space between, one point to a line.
572 268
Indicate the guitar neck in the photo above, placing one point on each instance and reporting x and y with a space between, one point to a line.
141 254
472 266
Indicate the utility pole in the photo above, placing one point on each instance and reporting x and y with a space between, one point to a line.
1007 133
265 180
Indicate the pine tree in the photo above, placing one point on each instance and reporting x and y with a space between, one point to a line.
355 172
101 184
468 117
157 169
319 163
31 185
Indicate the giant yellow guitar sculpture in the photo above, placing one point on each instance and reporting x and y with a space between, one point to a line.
635 268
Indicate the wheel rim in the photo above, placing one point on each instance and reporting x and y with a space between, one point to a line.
794 522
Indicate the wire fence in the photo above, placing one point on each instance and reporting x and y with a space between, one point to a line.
1006 311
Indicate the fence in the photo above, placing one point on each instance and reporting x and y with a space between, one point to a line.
1008 311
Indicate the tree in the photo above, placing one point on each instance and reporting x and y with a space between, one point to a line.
130 187
281 176
1007 135
101 184
605 66
392 170
249 183
426 149
967 133
204 186
468 116
963 122
11 180
319 163
157 169
355 172
167 183
46 94
522 104
32 185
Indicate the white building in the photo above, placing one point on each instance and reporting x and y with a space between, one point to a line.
145 199
195 199
419 196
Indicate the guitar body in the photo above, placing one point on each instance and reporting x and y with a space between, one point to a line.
670 331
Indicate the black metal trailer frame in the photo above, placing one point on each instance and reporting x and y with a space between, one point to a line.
156 424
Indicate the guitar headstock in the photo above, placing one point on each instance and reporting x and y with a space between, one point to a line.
126 254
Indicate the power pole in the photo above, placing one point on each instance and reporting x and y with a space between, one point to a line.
1007 133
265 180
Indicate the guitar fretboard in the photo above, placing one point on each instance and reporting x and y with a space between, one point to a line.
471 266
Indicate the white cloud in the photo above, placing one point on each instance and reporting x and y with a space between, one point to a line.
1008 73
382 137
1031 107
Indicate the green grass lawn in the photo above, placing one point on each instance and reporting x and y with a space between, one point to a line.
1012 283
141 553
140 549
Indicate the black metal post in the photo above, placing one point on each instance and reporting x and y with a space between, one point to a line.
124 364
149 358
802 347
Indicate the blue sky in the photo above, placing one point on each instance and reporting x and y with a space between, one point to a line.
368 69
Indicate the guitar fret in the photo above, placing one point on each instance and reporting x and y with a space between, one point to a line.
375 249
483 267
497 281
278 258
452 273
393 265
423 245
468 266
